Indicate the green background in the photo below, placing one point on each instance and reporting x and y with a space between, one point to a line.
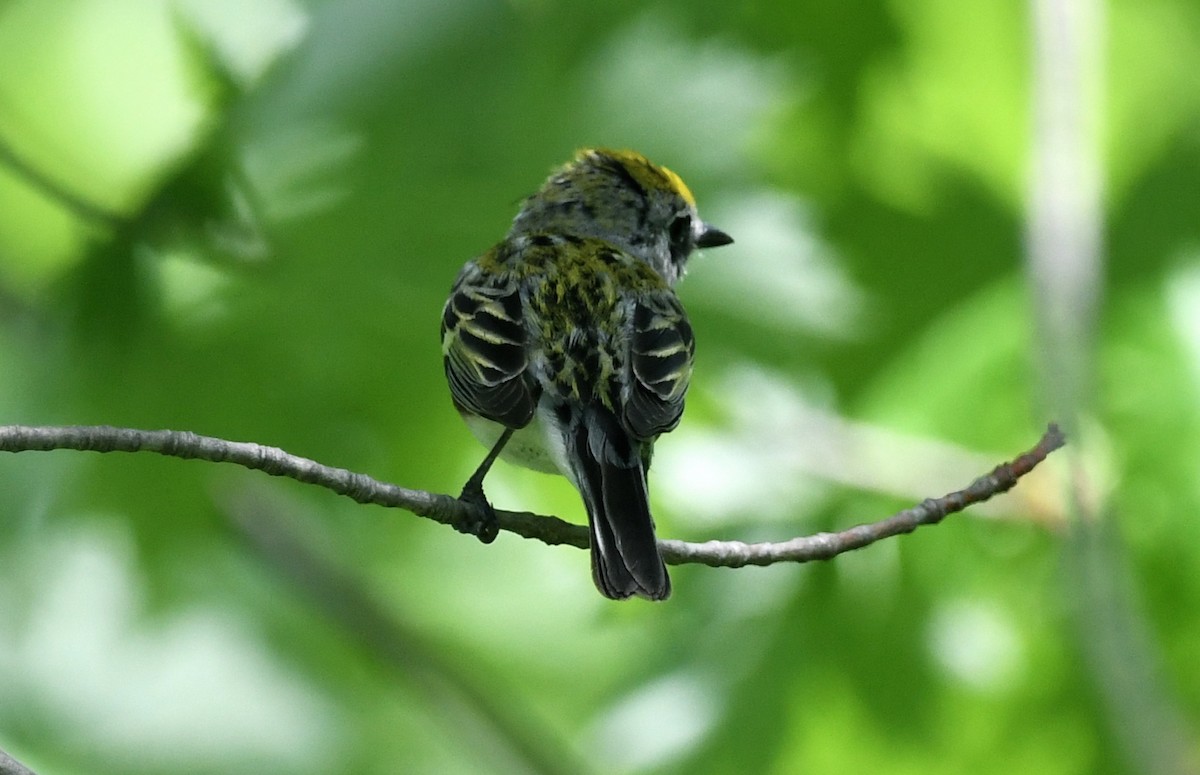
242 219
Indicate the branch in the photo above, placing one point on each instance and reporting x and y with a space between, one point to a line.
10 766
466 518
824 546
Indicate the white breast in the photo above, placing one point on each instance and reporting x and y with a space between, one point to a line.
539 445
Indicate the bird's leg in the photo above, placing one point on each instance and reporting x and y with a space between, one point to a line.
486 527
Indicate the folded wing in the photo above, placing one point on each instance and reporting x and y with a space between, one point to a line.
661 352
485 355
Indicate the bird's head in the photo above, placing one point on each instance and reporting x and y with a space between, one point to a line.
626 200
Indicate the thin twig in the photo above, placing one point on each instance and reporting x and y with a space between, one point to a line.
55 190
549 530
823 546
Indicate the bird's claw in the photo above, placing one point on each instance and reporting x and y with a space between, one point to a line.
482 522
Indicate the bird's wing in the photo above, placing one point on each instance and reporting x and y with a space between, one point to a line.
661 351
484 350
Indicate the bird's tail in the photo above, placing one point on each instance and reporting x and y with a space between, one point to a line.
612 479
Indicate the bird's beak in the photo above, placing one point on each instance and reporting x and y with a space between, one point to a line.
711 237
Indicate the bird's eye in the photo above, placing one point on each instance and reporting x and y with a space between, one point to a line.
680 234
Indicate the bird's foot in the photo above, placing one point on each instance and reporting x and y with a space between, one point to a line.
481 522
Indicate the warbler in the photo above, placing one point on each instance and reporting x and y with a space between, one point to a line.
567 350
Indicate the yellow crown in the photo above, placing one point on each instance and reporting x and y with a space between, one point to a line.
648 174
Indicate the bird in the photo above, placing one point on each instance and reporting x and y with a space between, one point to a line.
567 350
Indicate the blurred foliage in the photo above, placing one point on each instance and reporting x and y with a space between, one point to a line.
241 219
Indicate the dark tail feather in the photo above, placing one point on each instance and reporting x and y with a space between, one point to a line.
625 558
